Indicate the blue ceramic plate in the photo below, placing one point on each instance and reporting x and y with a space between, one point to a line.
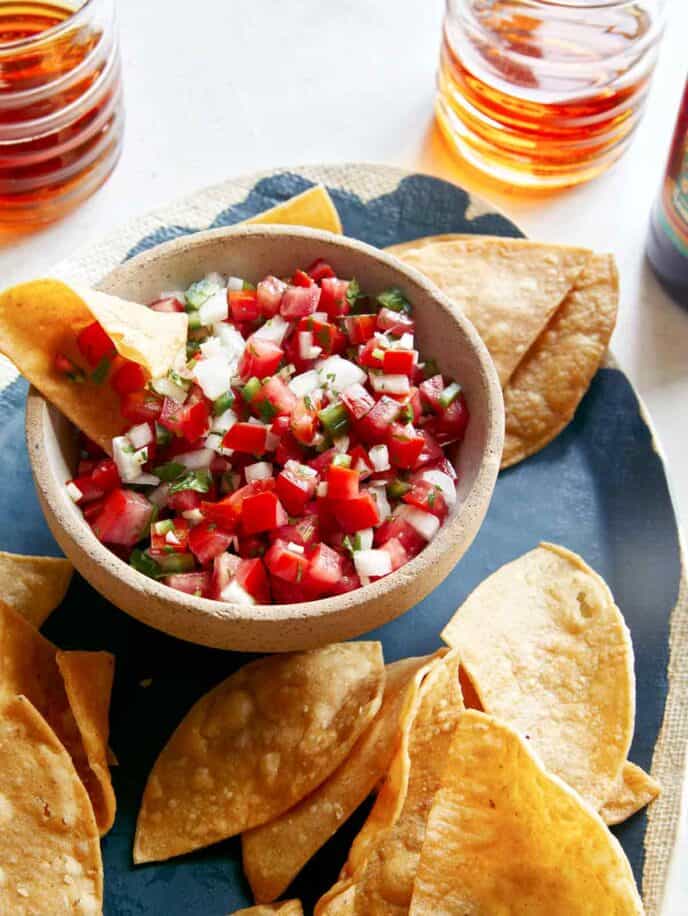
599 488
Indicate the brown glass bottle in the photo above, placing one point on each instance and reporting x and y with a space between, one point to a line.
667 244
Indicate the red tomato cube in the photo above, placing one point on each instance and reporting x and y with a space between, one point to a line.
269 293
244 305
342 483
333 297
192 583
207 541
324 570
124 518
357 400
128 378
319 270
262 512
399 362
374 426
253 578
260 358
396 322
94 344
286 564
360 328
299 301
355 514
295 488
405 445
140 406
429 498
247 437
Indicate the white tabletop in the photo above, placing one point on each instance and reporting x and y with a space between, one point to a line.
252 84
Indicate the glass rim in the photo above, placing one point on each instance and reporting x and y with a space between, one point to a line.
48 34
583 4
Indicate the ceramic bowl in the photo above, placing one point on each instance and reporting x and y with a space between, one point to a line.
441 332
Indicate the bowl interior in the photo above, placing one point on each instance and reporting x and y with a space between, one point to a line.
441 333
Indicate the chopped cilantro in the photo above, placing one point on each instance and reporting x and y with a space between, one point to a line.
394 299
100 373
267 411
145 564
170 471
199 481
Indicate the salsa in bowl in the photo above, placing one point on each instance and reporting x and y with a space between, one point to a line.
305 465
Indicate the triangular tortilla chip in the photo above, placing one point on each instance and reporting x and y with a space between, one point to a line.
257 744
49 849
635 790
505 836
548 651
88 679
312 208
284 908
28 666
385 885
508 288
275 853
546 388
34 586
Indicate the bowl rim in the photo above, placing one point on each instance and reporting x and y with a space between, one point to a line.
474 505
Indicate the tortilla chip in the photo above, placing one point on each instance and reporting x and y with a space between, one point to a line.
49 850
508 288
338 901
275 853
313 208
284 908
385 885
548 651
256 745
634 791
505 836
28 666
34 586
547 387
88 679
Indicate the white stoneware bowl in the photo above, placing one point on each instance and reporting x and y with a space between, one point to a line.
442 332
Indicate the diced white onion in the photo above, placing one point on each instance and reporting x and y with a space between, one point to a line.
146 480
159 495
261 470
194 461
365 538
177 294
322 488
235 284
363 468
213 441
379 457
338 374
300 470
439 479
168 389
390 384
129 461
372 562
225 421
193 516
275 330
140 435
171 538
74 492
379 494
271 441
213 309
364 580
305 343
383 342
212 346
424 523
235 594
305 383
406 341
295 548
213 375
215 278
231 340
341 444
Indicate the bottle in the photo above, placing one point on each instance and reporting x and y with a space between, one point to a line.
667 245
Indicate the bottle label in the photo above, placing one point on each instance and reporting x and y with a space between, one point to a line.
680 195
674 213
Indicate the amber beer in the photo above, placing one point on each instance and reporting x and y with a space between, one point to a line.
667 245
545 93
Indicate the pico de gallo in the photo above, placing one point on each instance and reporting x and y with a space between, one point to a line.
298 449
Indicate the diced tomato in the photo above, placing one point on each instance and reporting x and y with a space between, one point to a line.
349 581
64 365
396 322
374 426
355 514
262 512
304 419
299 301
93 509
269 294
250 546
443 464
414 401
174 541
191 583
450 425
288 449
244 305
430 391
129 377
286 564
94 344
360 460
284 592
85 467
398 362
167 304
252 577
399 529
280 425
319 270
429 498
184 500
207 541
105 475
325 335
306 531
247 437
333 297
342 483
371 355
274 399
295 489
225 566
88 488
405 445
189 420
322 461
397 552
260 358
140 406
357 400
431 453
360 328
124 518
324 570
301 278
219 464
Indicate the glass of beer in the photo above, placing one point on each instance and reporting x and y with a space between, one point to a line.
61 112
545 93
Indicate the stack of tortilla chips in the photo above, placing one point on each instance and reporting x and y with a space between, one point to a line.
545 312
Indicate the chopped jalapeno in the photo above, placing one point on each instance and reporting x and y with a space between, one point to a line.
397 488
198 293
251 389
199 481
176 563
342 461
450 394
100 373
335 419
141 562
163 436
224 402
